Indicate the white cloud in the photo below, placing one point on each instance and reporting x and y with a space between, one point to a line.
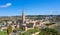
6 5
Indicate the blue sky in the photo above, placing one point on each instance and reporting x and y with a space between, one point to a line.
31 7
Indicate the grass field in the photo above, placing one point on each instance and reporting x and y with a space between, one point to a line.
3 33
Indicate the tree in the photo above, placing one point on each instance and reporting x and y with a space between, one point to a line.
9 29
48 31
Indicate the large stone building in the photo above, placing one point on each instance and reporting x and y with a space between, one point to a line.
30 24
25 23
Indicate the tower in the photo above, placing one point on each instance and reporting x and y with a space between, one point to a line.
23 17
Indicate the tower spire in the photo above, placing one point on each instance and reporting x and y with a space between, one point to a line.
23 16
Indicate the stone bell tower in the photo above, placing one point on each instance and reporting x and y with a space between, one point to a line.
23 16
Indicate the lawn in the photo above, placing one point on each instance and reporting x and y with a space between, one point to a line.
3 33
29 32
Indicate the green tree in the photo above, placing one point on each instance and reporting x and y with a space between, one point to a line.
9 29
48 31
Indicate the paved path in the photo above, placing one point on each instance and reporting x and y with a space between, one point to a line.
17 33
36 33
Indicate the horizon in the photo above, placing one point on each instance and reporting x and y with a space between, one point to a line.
31 7
27 15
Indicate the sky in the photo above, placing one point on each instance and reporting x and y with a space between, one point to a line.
31 7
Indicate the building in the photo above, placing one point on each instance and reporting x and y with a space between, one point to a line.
28 23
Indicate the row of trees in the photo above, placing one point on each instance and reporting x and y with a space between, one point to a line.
48 31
